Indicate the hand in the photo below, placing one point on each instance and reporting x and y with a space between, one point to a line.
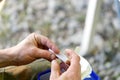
33 47
72 73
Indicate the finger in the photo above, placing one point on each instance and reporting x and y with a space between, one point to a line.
40 53
74 61
46 42
69 53
50 44
55 70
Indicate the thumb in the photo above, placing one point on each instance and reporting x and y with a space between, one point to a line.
55 70
40 53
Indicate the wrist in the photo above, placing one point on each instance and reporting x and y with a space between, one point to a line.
7 57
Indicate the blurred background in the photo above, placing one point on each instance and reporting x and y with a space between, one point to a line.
63 22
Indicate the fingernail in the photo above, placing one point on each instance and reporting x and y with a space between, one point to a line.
56 50
52 56
53 61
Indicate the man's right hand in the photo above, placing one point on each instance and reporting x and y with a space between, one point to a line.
72 73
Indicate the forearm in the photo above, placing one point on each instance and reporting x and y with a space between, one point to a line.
6 58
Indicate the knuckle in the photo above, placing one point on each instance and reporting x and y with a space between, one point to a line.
33 34
77 57
71 51
46 38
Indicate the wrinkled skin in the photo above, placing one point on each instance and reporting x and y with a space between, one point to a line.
33 47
